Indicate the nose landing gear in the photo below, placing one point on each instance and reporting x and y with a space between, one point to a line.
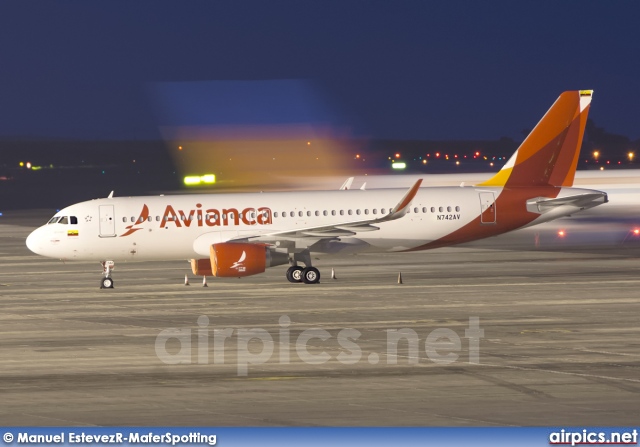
107 281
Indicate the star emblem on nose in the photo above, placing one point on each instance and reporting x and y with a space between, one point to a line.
87 219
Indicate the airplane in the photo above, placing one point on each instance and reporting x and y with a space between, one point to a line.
242 234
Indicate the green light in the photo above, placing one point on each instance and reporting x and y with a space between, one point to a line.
399 165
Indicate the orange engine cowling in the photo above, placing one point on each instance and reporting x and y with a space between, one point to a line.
201 267
229 259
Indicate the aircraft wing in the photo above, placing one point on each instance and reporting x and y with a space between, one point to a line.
347 228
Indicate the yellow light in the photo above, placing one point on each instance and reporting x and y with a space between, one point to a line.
636 231
22 164
561 233
357 155
596 154
631 155
179 148
602 168
457 162
192 180
195 180
424 162
491 164
308 143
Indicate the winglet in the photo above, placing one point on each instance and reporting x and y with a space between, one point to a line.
347 184
110 195
549 155
401 208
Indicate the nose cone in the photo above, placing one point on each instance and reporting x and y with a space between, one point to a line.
34 241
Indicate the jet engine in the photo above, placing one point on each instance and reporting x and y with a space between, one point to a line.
231 259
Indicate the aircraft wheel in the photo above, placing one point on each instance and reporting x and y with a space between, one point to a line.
106 283
294 274
311 275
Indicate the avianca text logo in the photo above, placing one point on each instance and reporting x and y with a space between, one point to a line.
199 218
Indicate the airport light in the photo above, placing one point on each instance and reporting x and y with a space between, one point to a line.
457 162
596 154
630 155
636 231
399 165
196 180
22 164
424 162
28 165
561 233
397 155
179 148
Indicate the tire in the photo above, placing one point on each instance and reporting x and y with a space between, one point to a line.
311 275
106 283
294 274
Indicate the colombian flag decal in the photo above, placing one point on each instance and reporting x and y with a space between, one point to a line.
72 232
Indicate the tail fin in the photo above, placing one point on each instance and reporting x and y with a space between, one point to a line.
549 155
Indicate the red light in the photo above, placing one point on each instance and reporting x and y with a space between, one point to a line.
437 154
397 155
561 233
477 154
455 156
636 231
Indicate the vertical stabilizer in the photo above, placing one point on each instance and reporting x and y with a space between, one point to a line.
549 155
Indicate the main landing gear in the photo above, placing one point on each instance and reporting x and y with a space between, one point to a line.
307 275
107 281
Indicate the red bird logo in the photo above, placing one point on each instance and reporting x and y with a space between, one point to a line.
144 215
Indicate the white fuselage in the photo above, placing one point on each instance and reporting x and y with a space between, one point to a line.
184 226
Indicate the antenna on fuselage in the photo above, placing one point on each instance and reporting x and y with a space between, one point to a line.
110 196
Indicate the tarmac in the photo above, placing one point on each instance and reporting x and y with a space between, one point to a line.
557 341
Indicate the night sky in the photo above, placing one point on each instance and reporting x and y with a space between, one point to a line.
386 69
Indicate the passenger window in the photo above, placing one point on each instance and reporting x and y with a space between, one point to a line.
157 218
275 214
324 213
433 209
381 210
415 210
292 214
333 212
358 212
133 219
149 219
124 219
375 211
440 209
448 209
457 208
424 209
366 211
309 213
350 212
300 213
342 212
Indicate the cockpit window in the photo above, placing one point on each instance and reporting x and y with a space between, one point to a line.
64 220
73 220
53 220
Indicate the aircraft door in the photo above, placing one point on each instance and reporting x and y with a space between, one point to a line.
487 208
107 221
